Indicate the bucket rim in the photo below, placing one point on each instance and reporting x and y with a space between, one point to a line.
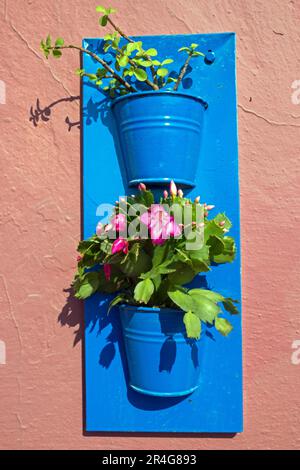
140 308
140 94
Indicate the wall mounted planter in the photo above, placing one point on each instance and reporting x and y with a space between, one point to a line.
160 136
111 404
162 362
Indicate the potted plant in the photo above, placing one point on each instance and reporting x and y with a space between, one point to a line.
153 117
145 256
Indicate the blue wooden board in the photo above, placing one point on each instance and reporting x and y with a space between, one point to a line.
216 407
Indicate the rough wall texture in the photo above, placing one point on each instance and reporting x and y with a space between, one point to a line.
40 385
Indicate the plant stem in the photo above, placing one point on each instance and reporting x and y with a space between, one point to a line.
151 84
119 31
153 72
102 62
183 71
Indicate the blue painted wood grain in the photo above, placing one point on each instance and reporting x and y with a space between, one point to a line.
216 407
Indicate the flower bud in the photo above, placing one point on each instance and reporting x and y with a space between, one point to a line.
222 223
166 194
205 214
173 188
197 200
142 187
210 207
180 193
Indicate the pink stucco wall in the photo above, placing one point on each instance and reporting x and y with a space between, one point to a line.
40 384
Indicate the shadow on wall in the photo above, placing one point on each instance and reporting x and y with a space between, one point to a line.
72 315
38 113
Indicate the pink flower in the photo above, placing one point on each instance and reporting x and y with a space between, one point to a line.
107 271
172 229
142 187
119 222
173 189
160 224
120 244
79 258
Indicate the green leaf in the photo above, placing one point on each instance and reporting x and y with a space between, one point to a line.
146 198
117 300
156 62
228 304
202 254
216 245
59 42
222 218
171 80
151 52
101 73
157 282
134 268
159 254
182 275
103 20
88 285
143 291
167 61
204 308
108 37
197 54
200 266
194 45
209 294
184 49
140 74
162 72
223 326
56 53
101 9
110 10
228 253
143 62
79 72
48 41
182 300
192 325
123 60
132 46
211 228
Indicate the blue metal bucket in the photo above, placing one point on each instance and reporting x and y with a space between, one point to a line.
162 361
160 136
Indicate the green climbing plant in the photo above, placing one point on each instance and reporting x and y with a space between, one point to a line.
129 59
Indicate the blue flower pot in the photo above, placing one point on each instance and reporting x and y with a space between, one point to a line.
160 136
162 361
